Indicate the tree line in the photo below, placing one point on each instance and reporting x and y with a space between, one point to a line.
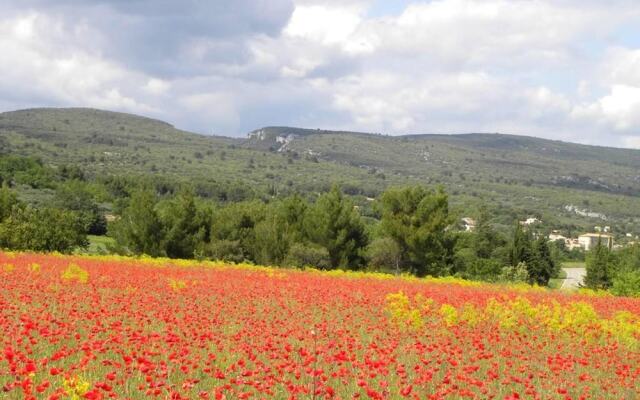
617 271
405 230
411 232
24 227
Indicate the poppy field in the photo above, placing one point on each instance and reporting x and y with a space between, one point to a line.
107 327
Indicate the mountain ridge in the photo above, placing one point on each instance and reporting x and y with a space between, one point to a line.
272 130
279 130
509 171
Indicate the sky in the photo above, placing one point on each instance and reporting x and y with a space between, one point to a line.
558 69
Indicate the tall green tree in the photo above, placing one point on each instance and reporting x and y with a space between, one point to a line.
599 271
521 246
8 200
541 266
487 242
74 196
482 253
281 228
186 226
233 235
335 224
417 219
139 229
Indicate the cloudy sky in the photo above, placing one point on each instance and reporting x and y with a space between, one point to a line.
564 69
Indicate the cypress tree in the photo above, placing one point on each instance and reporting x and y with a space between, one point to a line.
598 274
521 250
541 265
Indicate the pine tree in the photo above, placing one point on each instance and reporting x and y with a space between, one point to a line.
281 228
333 223
233 231
186 228
139 230
416 219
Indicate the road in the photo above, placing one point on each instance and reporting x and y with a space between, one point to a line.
575 276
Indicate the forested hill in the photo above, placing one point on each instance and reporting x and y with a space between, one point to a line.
516 174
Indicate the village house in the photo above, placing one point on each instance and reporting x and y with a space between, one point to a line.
572 243
569 243
590 240
555 236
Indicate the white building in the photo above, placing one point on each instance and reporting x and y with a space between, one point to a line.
572 243
530 221
555 236
469 224
590 240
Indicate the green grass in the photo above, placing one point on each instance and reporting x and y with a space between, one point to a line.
97 245
573 264
556 283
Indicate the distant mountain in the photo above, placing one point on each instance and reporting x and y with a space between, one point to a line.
515 173
276 138
491 158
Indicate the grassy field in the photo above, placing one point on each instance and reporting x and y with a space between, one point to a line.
556 283
97 245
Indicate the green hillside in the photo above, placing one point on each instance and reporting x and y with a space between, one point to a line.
564 183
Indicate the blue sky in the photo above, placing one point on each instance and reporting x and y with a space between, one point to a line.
382 8
560 69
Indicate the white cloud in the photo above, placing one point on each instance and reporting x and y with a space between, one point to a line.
622 66
631 141
553 68
619 110
157 86
324 24
217 105
39 67
462 31
543 101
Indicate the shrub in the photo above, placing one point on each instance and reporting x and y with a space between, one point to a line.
46 229
627 284
384 254
516 273
482 269
226 250
76 273
301 255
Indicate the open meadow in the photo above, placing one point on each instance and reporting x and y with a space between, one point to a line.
76 327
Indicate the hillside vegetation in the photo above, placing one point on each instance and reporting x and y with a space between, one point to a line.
514 174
